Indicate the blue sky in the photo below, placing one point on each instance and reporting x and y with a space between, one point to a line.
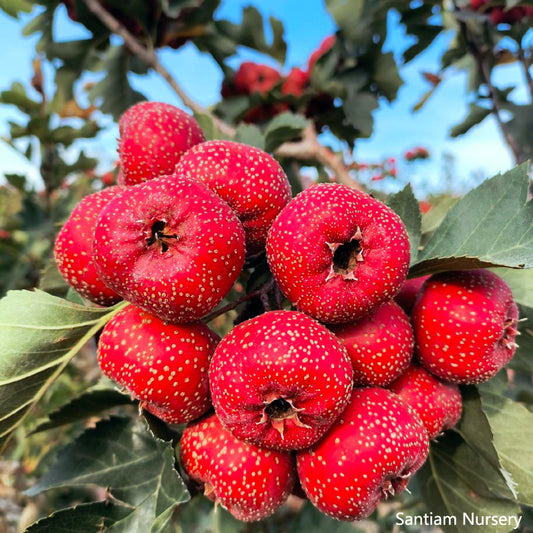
396 128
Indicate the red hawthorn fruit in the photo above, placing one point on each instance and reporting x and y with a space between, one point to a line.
371 452
253 77
478 4
465 325
337 253
280 380
163 365
296 82
380 345
424 206
170 246
153 137
250 180
437 403
250 482
73 248
324 47
108 178
409 291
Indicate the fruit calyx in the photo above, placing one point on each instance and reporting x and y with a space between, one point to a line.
156 235
345 256
395 485
278 411
510 331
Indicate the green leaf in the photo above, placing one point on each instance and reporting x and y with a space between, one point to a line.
17 96
491 226
475 430
521 284
476 115
347 14
16 180
14 7
452 472
520 128
358 108
85 518
406 206
137 469
251 33
311 520
209 127
39 335
283 128
90 403
114 90
250 134
387 76
512 427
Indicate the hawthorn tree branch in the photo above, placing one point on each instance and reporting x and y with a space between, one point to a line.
150 58
259 293
308 148
525 66
479 56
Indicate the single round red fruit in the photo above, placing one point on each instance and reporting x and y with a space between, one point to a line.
250 180
163 365
371 452
254 77
153 137
437 403
73 248
337 253
408 293
465 325
280 380
250 482
380 345
170 246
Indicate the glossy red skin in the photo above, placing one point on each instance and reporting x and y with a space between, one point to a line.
377 440
199 267
250 482
73 248
437 403
250 180
280 354
163 365
459 323
408 292
153 137
301 260
380 345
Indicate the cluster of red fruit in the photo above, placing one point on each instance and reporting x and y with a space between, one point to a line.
419 152
256 78
499 14
322 399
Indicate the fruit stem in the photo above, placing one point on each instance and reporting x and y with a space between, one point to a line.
259 293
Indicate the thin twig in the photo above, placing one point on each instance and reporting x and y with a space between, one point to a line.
306 149
150 58
264 289
523 60
310 149
479 57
